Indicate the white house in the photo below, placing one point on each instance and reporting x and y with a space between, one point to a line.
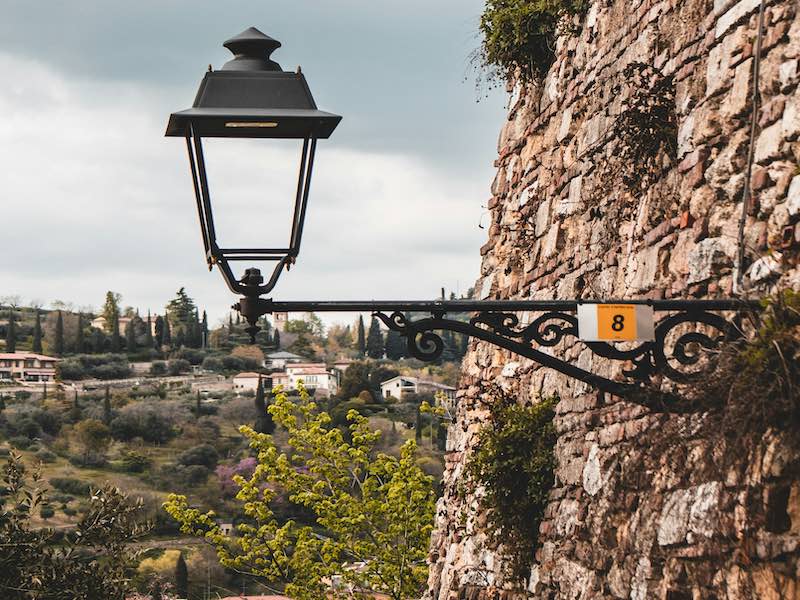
279 360
27 366
244 382
402 386
313 376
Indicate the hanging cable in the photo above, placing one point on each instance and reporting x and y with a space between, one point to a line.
738 280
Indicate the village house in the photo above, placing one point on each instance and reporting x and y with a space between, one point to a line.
27 366
314 376
279 360
401 386
100 323
246 382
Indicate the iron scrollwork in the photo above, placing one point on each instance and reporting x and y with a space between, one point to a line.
676 354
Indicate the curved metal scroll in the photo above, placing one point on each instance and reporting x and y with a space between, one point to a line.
676 358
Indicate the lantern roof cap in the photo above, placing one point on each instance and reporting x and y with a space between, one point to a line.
252 97
252 50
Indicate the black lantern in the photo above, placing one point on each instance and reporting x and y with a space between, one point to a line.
252 97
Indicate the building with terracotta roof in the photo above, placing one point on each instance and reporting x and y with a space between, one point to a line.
27 366
244 382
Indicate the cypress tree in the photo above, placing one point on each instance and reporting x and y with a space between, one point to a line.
395 346
361 344
130 337
276 340
418 427
167 333
204 331
98 341
58 346
181 577
197 405
180 339
107 407
75 403
148 336
11 332
116 342
37 333
375 340
79 341
159 332
264 422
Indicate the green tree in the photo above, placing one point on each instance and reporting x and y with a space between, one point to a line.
90 562
159 327
276 340
110 310
361 341
58 346
181 577
371 507
11 332
130 337
37 333
167 333
264 422
395 345
375 346
302 347
116 341
98 341
79 340
204 331
148 335
94 437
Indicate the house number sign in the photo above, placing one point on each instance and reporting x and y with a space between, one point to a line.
616 322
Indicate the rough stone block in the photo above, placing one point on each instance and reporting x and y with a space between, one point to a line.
737 12
793 197
738 98
768 145
790 124
705 259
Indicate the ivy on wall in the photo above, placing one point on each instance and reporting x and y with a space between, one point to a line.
514 462
519 35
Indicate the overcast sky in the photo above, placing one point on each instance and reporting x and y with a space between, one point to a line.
95 198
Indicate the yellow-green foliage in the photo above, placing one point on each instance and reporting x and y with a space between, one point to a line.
369 508
163 565
519 35
514 462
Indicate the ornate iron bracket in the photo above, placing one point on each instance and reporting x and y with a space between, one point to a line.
685 338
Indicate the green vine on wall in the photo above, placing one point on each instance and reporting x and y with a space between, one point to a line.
514 462
519 35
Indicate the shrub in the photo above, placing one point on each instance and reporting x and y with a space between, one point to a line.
70 485
45 455
211 363
134 462
514 461
20 442
519 35
70 370
47 511
178 366
69 511
159 367
204 454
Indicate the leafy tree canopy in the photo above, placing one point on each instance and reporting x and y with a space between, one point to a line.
369 507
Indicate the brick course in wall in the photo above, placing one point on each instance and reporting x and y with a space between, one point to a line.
640 508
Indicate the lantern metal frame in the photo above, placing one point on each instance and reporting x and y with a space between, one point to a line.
251 97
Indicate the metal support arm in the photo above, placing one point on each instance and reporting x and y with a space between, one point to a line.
676 353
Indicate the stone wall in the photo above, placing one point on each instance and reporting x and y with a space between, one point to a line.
640 509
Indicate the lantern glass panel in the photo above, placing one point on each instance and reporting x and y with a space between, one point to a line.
253 185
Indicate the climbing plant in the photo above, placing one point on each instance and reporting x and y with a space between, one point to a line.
519 35
514 463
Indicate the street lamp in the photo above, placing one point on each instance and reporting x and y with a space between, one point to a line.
251 97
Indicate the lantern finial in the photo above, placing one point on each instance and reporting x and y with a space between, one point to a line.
252 50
